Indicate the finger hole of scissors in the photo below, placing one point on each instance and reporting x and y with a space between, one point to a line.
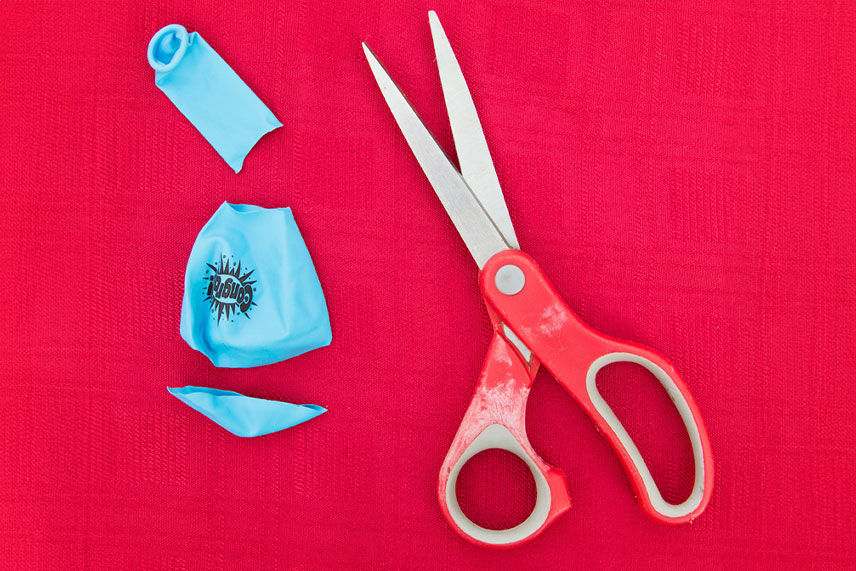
497 436
663 508
495 489
653 423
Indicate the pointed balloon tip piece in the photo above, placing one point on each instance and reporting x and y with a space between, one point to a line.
242 415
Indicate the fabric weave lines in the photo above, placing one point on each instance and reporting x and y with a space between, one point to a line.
683 172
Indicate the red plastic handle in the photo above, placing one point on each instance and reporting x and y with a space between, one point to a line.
517 291
496 418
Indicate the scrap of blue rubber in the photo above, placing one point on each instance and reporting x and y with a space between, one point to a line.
289 313
242 415
209 93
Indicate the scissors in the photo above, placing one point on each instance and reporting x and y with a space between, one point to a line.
532 326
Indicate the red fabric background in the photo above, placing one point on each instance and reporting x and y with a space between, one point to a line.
684 174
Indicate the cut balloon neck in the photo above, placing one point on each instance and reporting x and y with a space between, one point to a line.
168 47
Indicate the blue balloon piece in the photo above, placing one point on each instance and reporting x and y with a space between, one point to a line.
251 294
209 93
242 415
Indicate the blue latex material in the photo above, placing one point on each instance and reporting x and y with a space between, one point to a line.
209 93
242 415
251 294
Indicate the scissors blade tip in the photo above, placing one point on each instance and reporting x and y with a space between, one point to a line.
473 223
476 164
437 31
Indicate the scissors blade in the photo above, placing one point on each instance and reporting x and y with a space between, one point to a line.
473 154
475 226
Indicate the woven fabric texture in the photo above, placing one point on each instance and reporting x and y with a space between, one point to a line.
684 172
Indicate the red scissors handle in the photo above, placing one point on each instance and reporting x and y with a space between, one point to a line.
496 418
517 291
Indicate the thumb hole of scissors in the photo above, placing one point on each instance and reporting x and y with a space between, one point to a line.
495 489
647 413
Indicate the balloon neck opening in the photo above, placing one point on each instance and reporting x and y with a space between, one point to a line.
167 47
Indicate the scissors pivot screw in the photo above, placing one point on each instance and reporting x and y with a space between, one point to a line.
509 279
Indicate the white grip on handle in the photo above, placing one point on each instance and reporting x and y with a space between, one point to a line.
497 436
660 505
